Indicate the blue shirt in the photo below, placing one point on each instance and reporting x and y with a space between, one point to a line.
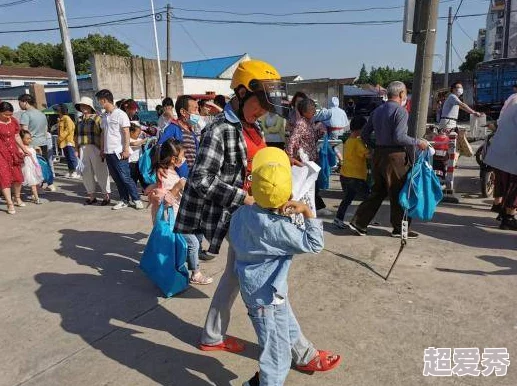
264 244
389 121
338 116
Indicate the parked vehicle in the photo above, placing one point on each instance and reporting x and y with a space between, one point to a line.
486 172
493 81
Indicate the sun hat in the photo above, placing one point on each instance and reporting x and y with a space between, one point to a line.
85 101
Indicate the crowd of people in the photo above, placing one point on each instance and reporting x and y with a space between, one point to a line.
225 169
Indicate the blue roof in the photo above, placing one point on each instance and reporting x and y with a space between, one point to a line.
209 68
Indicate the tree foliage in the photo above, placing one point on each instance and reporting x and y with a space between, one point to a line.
384 76
51 55
473 57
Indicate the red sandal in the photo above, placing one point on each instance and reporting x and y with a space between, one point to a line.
230 344
324 361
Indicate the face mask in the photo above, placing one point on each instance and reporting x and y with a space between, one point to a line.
384 98
404 102
459 91
193 119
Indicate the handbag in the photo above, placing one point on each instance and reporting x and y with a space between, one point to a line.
422 190
464 147
164 258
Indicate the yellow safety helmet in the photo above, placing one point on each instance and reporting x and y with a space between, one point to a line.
253 70
264 80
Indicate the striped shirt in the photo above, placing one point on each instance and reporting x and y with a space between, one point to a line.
190 145
89 131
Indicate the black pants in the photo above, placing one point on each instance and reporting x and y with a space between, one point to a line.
351 187
320 204
390 169
136 176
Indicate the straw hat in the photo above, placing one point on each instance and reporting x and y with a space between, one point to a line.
85 101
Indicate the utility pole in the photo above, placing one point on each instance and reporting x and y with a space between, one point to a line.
448 50
427 16
157 49
507 22
67 48
167 75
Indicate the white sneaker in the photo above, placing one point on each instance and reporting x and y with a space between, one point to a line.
120 205
51 188
75 176
139 204
324 212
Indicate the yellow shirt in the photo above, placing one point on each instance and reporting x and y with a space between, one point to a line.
66 131
354 159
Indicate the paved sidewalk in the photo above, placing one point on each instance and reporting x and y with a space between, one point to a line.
76 310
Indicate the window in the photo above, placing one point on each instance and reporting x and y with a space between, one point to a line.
52 83
497 46
28 83
4 84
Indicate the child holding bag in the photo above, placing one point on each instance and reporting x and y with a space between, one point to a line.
31 169
170 156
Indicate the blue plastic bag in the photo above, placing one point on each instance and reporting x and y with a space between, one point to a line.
327 160
46 170
422 191
164 258
145 164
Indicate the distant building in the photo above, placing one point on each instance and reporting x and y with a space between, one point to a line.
25 76
211 75
480 43
321 90
501 30
292 78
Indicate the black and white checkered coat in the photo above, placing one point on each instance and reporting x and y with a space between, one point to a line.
214 188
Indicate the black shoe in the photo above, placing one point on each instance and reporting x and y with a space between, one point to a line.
410 234
509 223
205 256
105 202
253 381
496 208
90 201
358 231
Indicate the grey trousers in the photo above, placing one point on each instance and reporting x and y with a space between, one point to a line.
218 317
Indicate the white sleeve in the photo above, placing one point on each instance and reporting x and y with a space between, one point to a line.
123 120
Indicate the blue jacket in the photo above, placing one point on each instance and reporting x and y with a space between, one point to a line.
264 244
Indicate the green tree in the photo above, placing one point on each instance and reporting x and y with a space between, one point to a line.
8 56
83 48
473 57
363 75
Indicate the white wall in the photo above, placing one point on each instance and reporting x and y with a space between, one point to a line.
203 85
15 82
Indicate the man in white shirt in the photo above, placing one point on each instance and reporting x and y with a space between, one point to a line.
115 127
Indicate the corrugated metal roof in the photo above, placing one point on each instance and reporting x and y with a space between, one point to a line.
209 68
31 72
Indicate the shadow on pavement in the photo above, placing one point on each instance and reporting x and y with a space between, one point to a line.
359 262
509 265
97 307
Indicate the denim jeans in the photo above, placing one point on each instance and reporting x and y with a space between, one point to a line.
71 159
136 175
350 186
193 245
119 171
278 331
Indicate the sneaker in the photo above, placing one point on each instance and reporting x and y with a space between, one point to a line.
508 223
410 234
496 208
255 381
75 176
339 223
205 256
358 231
120 205
324 212
139 205
51 188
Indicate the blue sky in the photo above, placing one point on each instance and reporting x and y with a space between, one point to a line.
310 51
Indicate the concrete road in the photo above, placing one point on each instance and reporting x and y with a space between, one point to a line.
76 310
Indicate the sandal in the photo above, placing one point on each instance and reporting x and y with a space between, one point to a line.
10 209
230 344
19 202
324 361
90 201
106 201
200 279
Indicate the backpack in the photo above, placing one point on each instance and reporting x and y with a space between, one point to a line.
145 164
46 170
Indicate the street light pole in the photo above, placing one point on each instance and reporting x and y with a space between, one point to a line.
67 49
448 50
157 49
168 73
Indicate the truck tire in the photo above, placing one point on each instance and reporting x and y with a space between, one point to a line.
487 179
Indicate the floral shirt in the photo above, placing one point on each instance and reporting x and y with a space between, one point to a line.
305 135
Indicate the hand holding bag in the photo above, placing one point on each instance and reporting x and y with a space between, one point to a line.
164 258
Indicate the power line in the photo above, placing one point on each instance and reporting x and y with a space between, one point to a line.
457 53
457 10
13 3
462 30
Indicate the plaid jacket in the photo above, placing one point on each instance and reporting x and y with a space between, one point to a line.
214 187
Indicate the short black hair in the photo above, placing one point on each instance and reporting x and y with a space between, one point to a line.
220 101
27 98
24 132
454 85
357 123
182 103
167 102
104 94
6 106
61 108
305 105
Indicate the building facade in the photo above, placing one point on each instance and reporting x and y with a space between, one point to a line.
25 76
501 30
